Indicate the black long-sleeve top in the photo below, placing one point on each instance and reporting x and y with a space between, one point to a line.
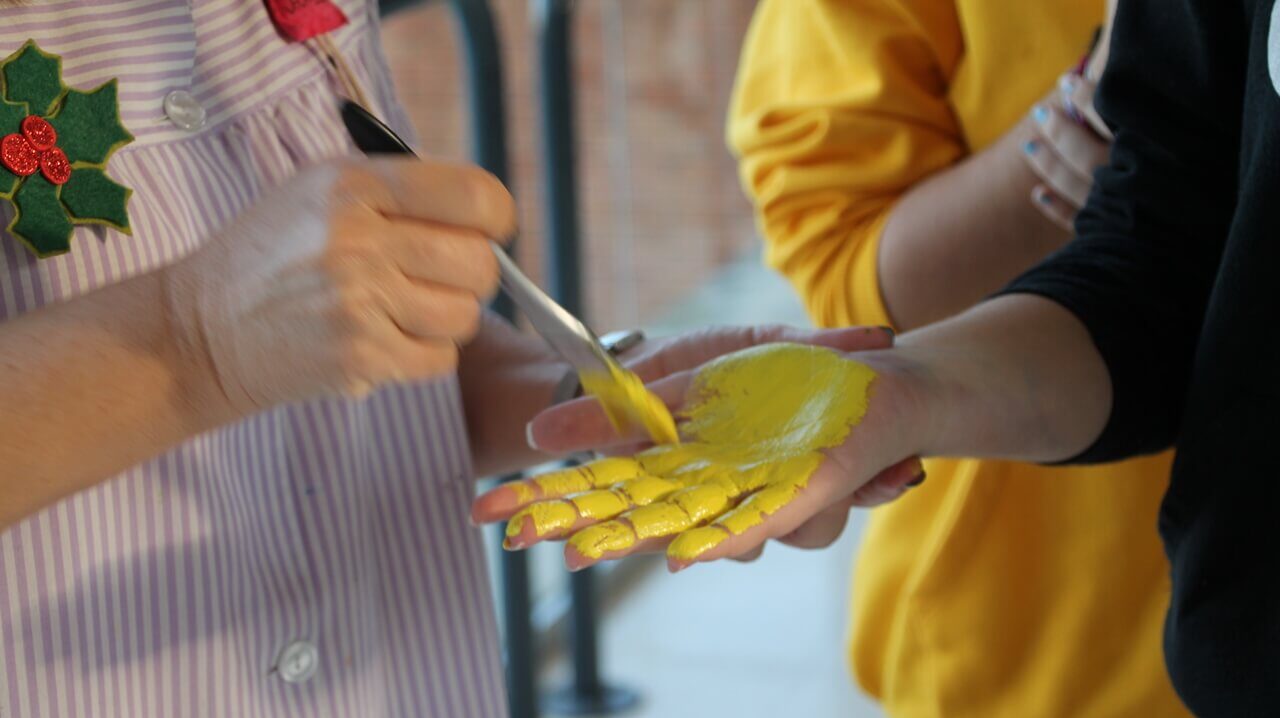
1176 273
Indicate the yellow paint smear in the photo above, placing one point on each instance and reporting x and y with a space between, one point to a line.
547 517
629 404
600 504
756 425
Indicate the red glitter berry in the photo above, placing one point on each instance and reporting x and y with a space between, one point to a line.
55 167
19 156
39 133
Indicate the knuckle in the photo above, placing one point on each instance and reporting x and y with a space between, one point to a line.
492 203
355 305
358 364
468 321
347 178
488 274
431 360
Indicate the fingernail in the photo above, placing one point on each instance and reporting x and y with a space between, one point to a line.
917 480
1030 147
528 436
1041 114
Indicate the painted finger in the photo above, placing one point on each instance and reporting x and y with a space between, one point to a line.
576 560
1065 182
1075 144
658 521
821 530
774 511
502 502
750 556
890 484
558 518
581 424
649 527
1077 93
1052 207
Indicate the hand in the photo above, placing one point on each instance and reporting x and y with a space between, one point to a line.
348 276
1069 142
580 425
718 494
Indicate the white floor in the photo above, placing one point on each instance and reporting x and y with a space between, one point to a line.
742 640
738 640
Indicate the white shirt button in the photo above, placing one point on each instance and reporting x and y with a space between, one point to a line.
298 662
184 110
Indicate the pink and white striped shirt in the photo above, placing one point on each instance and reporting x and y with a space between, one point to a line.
311 561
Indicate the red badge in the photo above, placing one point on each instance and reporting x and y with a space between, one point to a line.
300 20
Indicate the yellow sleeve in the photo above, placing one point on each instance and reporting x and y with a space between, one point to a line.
839 107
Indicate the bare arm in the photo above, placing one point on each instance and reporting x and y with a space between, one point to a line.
963 233
1017 377
91 387
375 272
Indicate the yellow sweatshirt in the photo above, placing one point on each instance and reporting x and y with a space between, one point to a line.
995 589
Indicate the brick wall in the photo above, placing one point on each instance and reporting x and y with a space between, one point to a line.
660 203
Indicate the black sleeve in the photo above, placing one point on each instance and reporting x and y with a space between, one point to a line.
1142 266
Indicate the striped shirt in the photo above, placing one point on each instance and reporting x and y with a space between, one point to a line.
313 560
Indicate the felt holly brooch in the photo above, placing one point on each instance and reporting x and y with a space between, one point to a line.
55 147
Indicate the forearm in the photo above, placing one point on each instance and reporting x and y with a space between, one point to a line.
91 387
507 377
962 234
1017 377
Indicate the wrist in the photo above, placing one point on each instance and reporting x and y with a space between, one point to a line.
916 401
185 349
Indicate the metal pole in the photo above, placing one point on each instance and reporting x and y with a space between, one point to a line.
587 694
489 149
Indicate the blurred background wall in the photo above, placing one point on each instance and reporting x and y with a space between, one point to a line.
660 203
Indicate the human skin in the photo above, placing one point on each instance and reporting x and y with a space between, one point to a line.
1004 208
346 278
1014 378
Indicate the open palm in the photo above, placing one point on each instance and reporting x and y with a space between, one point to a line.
756 427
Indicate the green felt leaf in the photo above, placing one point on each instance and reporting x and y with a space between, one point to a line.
11 116
8 183
33 76
40 221
93 198
88 125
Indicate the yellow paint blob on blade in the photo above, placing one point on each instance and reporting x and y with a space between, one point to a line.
595 541
629 404
600 504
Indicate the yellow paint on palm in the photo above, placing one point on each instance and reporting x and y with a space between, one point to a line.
756 425
629 404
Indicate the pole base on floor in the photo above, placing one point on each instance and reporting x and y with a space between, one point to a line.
569 701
